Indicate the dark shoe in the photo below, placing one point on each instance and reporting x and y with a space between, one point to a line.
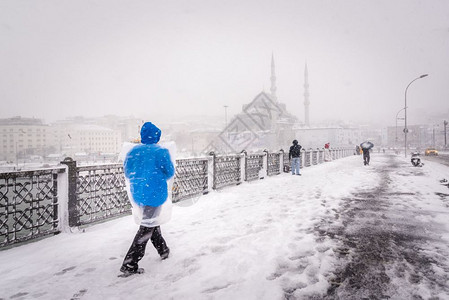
165 254
128 270
293 173
298 174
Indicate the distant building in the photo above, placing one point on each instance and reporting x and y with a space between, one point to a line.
266 124
129 127
262 124
418 137
24 137
78 139
337 136
200 139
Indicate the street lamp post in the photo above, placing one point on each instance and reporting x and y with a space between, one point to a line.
445 124
226 119
405 107
396 138
433 135
226 125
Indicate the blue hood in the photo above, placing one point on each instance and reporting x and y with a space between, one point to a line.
150 134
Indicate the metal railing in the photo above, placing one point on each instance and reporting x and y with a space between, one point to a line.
314 157
226 170
191 178
273 163
320 156
307 159
35 203
253 165
28 205
100 194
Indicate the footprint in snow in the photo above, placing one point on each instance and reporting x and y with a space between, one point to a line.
88 270
78 295
18 295
217 288
65 270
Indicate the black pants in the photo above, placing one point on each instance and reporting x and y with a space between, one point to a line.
366 157
137 249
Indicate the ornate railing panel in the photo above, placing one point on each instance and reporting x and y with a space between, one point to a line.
320 156
226 170
190 178
307 161
314 157
253 165
273 164
333 154
100 193
28 205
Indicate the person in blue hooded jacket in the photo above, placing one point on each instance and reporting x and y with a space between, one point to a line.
148 166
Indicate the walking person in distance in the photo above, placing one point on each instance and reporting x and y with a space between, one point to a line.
366 147
295 157
327 152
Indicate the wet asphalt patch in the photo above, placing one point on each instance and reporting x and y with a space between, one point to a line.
383 248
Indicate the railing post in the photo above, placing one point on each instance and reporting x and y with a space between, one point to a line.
265 165
63 199
239 163
55 198
281 161
212 168
243 163
210 173
74 218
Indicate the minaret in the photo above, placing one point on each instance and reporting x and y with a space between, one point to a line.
306 97
273 80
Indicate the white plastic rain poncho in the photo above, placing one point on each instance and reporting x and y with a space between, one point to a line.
149 216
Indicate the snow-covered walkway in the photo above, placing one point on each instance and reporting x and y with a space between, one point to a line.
340 231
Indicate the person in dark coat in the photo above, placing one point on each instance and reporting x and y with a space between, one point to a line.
148 166
295 157
366 147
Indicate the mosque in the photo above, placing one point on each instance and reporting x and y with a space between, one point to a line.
265 123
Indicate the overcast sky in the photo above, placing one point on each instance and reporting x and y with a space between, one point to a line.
166 59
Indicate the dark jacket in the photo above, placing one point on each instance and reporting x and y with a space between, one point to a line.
148 167
295 151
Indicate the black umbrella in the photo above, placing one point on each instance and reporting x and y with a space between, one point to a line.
366 145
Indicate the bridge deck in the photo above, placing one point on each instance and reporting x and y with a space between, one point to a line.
341 229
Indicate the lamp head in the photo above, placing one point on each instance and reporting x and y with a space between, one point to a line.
424 75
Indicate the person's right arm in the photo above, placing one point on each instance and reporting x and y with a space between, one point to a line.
166 164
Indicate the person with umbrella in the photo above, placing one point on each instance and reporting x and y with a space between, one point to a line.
366 147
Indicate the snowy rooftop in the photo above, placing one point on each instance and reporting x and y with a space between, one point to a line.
384 226
90 127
